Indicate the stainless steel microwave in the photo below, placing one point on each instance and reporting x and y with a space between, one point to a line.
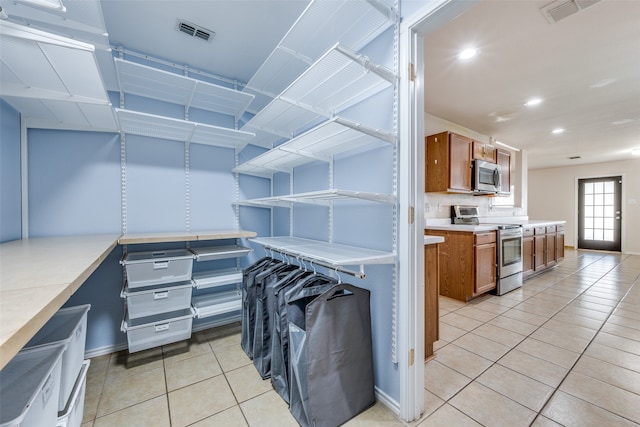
486 177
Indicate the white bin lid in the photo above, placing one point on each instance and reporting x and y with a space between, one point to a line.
21 380
60 327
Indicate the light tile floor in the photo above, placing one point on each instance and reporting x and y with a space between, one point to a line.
562 350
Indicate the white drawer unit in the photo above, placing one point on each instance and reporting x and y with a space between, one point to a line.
152 300
157 267
153 331
68 326
72 414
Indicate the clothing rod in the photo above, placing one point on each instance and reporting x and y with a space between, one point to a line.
359 274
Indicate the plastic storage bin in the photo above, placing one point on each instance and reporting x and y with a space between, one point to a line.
68 326
149 301
30 387
157 267
154 331
72 414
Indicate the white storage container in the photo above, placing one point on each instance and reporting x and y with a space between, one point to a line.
30 387
73 412
154 331
148 301
157 267
68 326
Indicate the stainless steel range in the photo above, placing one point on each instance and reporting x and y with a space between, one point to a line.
508 252
509 258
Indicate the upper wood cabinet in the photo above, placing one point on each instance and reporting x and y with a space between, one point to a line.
448 163
482 151
503 158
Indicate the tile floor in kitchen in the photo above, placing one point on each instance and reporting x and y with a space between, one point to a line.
562 350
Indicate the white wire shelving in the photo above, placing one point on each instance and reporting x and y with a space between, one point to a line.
322 197
332 137
145 124
338 79
330 255
353 23
142 80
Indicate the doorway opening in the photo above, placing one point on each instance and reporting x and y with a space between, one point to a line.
600 213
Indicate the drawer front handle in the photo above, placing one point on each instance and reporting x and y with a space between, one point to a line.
159 265
163 327
161 295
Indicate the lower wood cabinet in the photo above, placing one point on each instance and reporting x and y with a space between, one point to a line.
431 292
467 263
542 248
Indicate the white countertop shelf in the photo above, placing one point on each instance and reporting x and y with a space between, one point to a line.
216 278
138 123
332 137
312 34
153 83
339 79
328 253
323 197
183 236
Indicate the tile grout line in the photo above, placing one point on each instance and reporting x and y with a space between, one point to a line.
559 279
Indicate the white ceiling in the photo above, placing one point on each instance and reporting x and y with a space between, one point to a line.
586 69
246 31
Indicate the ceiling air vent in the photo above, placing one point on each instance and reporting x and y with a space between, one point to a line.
195 30
561 9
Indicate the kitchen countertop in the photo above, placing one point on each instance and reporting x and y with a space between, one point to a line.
462 227
432 240
38 275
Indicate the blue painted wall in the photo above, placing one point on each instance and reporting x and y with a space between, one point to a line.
10 187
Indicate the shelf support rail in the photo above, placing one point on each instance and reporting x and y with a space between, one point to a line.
313 261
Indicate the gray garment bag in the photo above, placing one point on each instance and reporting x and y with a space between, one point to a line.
314 284
265 303
249 302
331 366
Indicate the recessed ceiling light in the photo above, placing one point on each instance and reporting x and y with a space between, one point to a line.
558 130
533 101
467 53
636 151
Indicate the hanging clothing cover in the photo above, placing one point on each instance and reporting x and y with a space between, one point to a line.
331 366
264 306
308 285
249 302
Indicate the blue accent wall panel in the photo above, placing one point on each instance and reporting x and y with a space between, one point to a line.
74 182
102 291
155 185
211 187
10 180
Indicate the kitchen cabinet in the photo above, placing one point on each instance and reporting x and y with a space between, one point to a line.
560 242
448 163
482 151
528 252
485 262
467 263
431 292
503 158
542 248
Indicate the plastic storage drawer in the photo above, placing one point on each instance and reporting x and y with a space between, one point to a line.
30 387
157 267
73 412
68 326
154 331
156 300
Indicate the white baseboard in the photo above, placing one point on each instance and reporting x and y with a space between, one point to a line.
387 401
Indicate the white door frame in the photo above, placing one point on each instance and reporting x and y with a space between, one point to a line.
411 199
